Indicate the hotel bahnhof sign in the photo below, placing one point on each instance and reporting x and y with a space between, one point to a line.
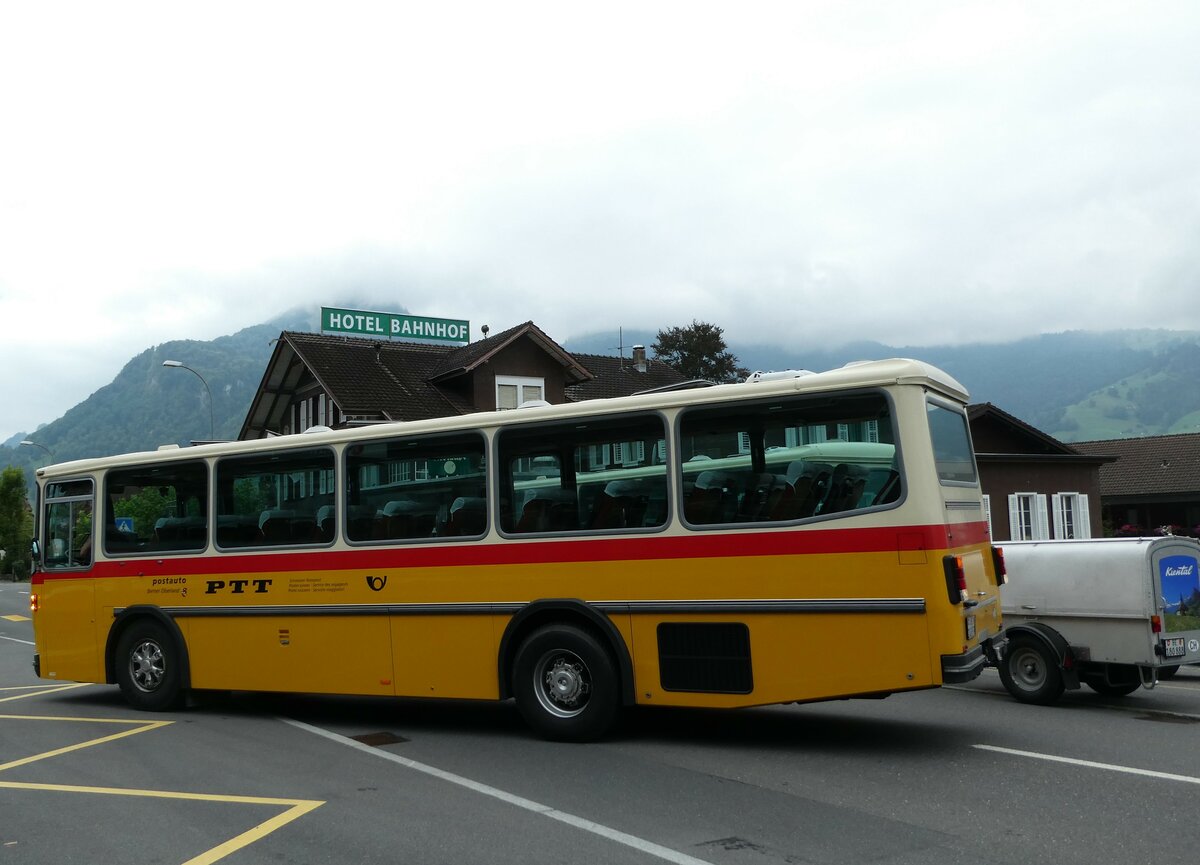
392 325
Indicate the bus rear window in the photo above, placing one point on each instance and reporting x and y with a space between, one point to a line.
951 445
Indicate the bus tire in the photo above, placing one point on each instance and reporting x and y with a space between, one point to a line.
148 664
566 684
1030 671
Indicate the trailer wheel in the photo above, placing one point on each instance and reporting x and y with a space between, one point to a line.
1101 682
1030 671
1165 673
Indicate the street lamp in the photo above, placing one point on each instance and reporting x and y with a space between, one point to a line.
212 428
34 444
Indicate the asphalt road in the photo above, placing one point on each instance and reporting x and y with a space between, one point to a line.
958 775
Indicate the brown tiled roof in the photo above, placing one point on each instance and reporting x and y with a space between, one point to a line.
616 376
381 379
1152 465
465 358
368 376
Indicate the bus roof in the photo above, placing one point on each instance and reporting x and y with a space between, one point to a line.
859 374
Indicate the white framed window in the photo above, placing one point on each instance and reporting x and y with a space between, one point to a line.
1071 516
1028 519
629 453
512 391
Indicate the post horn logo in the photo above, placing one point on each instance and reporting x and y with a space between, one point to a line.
376 584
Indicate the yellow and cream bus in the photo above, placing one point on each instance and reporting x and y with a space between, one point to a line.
796 537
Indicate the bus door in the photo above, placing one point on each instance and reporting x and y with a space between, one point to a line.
68 650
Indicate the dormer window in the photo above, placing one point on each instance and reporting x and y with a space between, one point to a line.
513 390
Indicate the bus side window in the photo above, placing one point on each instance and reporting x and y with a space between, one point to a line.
416 488
583 477
787 459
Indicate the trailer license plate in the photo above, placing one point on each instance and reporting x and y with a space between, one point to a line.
971 630
1173 647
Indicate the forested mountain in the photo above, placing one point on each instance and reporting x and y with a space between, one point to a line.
1074 386
148 405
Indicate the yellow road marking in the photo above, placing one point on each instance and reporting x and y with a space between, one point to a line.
298 808
41 689
295 808
16 618
143 726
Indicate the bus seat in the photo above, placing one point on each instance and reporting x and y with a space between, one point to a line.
165 529
468 516
303 530
713 499
807 483
535 516
275 530
611 506
326 523
845 488
762 496
405 518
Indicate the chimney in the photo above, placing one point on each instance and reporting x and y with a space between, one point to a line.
639 358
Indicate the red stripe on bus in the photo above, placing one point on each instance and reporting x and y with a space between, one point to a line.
933 538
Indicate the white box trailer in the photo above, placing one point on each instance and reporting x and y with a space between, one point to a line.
1111 613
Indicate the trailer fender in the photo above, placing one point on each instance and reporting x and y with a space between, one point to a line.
1056 643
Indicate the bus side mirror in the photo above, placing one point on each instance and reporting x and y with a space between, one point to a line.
35 553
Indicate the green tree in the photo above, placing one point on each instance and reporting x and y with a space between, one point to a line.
16 522
698 352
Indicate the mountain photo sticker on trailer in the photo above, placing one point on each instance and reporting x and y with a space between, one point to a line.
1181 592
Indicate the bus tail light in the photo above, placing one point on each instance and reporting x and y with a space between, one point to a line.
33 602
1156 624
1001 568
956 579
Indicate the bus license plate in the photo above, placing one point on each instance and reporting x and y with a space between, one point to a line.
1173 647
971 629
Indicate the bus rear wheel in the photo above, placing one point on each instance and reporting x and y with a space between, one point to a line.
148 667
1030 672
566 684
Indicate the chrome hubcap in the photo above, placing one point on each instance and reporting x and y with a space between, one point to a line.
563 683
147 666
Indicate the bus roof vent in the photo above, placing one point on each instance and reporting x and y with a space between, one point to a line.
318 428
168 447
777 376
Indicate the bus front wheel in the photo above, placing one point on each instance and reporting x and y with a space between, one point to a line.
565 684
148 667
1030 672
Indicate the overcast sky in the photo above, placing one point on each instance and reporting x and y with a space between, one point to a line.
796 173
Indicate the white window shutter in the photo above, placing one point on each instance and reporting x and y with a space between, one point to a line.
1042 530
1014 518
987 514
1083 519
1060 518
